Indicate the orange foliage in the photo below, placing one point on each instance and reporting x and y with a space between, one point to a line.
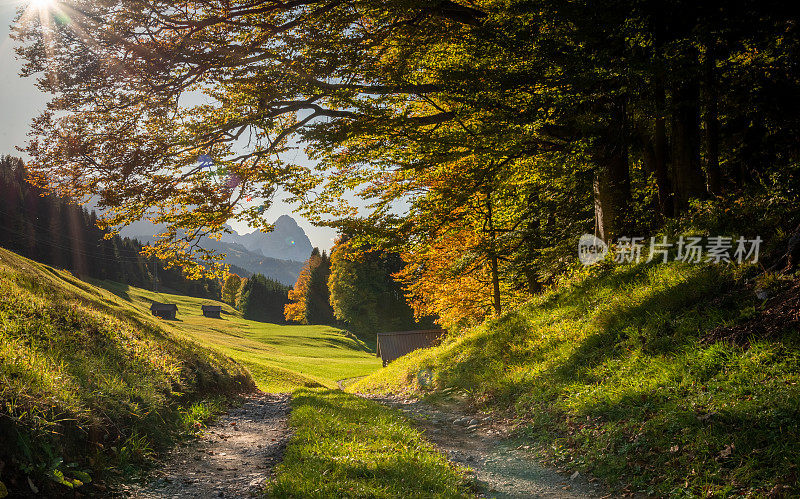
434 286
296 310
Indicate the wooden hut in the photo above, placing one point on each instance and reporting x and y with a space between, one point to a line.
212 311
164 310
398 343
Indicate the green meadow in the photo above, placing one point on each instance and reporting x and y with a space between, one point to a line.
280 358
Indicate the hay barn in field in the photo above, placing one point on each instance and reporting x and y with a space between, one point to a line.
164 310
398 343
212 311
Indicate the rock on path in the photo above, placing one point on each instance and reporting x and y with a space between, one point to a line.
503 467
233 458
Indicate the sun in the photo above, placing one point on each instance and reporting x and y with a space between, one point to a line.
42 5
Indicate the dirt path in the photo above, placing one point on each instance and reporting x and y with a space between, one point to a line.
237 454
233 459
503 467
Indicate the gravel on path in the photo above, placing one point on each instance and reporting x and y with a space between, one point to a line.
233 458
502 465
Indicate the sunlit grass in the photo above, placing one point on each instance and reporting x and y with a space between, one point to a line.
345 446
85 375
613 377
279 357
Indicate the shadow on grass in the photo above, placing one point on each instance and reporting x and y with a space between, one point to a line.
119 290
532 350
623 353
344 343
370 340
347 343
664 322
346 446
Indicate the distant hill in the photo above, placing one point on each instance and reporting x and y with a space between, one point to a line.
246 263
279 254
287 242
238 257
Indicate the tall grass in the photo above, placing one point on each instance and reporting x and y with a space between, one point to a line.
613 375
89 386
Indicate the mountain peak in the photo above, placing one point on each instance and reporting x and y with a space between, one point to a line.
287 221
288 241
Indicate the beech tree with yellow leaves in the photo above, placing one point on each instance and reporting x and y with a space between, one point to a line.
309 297
517 125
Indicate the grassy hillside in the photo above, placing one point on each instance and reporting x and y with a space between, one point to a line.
672 378
89 383
280 358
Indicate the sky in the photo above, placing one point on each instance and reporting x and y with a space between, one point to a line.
21 101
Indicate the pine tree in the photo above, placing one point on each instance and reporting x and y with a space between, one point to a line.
318 309
263 299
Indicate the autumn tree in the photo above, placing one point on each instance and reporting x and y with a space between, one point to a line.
364 293
119 129
239 293
515 126
231 288
295 310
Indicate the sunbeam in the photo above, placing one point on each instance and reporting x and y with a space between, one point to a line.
41 4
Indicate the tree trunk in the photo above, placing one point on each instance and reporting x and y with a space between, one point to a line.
658 149
666 193
604 206
688 178
712 121
532 240
495 267
612 185
498 307
648 161
752 151
534 286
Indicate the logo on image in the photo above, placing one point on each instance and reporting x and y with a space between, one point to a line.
591 249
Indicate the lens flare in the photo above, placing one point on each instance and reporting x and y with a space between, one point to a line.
42 5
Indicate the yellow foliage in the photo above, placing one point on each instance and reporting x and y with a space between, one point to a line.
433 287
296 311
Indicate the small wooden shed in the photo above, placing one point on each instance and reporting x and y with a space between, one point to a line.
164 310
212 311
398 343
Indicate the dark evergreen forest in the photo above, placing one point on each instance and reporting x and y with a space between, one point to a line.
60 233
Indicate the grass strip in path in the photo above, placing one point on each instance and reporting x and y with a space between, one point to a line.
346 446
